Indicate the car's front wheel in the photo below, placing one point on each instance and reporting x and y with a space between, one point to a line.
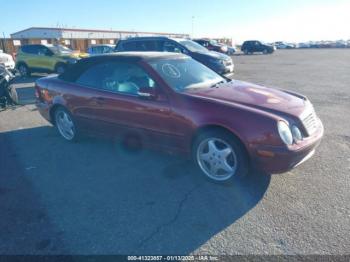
65 124
220 156
60 68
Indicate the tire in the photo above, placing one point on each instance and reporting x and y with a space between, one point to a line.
65 124
265 51
220 156
60 68
245 51
23 70
12 95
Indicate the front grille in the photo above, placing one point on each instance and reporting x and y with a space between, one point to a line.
310 122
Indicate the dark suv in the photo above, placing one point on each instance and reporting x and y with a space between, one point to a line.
220 63
249 47
212 45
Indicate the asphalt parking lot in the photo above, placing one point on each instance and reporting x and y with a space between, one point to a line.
94 197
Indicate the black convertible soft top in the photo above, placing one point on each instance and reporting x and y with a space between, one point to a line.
73 71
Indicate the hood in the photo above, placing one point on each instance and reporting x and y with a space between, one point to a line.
5 57
263 98
209 54
76 55
80 54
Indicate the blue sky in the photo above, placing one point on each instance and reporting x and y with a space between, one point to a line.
268 20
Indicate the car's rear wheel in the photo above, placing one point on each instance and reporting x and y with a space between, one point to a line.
23 70
220 156
246 52
266 51
65 124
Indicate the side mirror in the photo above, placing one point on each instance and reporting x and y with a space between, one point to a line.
147 93
184 51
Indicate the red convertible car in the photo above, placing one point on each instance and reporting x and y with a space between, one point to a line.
171 102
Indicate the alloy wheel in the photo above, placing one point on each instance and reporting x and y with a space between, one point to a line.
217 159
65 125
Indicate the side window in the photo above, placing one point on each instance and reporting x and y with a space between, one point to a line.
202 43
129 46
140 46
106 49
171 47
25 49
116 77
30 49
43 51
151 45
99 49
93 49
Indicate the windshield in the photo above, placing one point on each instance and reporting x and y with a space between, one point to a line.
214 42
60 49
193 46
182 74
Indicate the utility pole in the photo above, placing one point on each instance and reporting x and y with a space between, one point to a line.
4 42
192 35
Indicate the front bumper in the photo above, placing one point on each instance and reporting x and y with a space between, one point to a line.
228 71
280 159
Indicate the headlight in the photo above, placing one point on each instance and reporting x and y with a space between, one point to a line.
223 49
72 60
285 132
296 133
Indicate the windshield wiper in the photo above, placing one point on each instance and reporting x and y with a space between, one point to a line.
216 85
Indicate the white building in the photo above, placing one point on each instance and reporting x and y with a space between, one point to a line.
78 38
74 33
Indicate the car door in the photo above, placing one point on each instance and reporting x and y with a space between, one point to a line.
45 59
258 46
250 46
30 55
115 108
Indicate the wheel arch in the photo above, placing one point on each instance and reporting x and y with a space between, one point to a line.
219 128
21 63
58 63
53 110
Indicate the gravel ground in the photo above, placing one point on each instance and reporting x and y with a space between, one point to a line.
94 197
